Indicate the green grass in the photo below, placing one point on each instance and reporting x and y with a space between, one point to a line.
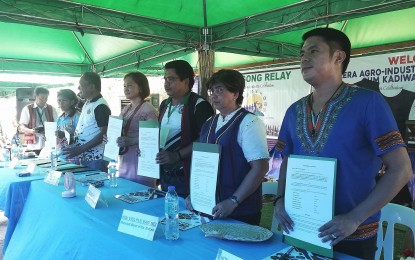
266 218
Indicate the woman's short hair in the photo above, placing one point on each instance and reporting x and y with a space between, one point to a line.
70 95
141 80
231 79
183 70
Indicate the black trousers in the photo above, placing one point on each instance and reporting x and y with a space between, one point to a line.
365 249
252 219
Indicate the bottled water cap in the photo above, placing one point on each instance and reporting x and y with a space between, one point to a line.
171 188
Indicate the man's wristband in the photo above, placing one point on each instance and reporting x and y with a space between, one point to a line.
278 198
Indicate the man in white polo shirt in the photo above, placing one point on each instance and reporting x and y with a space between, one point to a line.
92 124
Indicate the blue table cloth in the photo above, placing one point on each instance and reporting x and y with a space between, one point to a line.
8 176
13 194
14 191
52 227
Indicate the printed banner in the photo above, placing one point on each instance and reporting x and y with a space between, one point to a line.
269 93
391 74
393 71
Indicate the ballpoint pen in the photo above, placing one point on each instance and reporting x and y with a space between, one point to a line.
286 255
92 174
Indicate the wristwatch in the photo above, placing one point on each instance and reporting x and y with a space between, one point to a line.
234 199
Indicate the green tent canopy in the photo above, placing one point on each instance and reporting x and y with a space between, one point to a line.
112 37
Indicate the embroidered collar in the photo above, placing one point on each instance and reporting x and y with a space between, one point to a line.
222 120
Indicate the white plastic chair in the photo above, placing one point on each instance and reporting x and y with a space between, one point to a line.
393 214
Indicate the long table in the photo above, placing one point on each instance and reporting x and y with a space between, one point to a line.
52 227
13 194
14 191
14 188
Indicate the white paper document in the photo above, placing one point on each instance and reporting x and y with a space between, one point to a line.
113 132
203 176
309 196
148 143
50 135
67 136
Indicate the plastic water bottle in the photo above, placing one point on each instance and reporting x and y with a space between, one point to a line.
171 210
53 158
6 154
112 173
21 149
14 152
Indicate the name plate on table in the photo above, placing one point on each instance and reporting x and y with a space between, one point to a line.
53 177
223 255
14 162
92 196
31 167
138 224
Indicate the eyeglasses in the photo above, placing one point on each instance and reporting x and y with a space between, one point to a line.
216 91
169 79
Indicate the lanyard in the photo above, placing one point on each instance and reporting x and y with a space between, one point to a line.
127 125
315 118
40 115
182 102
170 111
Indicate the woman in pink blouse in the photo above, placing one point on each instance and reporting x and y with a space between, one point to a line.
136 89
